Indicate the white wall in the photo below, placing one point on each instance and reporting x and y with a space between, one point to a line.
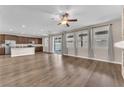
117 36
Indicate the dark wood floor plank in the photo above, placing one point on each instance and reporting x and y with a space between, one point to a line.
52 70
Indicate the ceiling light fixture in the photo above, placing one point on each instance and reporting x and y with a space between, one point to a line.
23 26
65 20
10 29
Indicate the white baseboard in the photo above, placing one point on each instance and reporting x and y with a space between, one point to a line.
115 62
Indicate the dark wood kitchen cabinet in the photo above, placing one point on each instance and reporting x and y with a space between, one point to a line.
40 41
2 39
11 37
20 40
2 51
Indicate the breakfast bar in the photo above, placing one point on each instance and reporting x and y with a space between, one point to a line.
16 51
121 46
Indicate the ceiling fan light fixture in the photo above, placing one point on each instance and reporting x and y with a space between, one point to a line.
64 22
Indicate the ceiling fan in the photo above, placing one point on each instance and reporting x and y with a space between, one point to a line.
65 20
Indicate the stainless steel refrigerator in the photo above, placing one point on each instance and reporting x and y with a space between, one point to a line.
8 45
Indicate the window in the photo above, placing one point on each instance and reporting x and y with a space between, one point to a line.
83 39
70 40
101 38
57 44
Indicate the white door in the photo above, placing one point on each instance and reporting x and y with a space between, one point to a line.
82 43
70 43
100 37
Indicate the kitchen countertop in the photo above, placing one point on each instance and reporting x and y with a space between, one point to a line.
22 51
119 44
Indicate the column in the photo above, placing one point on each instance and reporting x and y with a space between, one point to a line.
49 44
75 44
91 44
64 47
110 44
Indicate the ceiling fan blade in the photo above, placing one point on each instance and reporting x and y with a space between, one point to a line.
59 24
67 25
72 20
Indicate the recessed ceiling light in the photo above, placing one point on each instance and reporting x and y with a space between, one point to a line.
10 29
23 26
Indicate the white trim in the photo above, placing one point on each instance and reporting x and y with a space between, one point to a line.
114 62
94 59
122 63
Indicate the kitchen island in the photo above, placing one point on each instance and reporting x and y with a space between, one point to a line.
22 51
121 46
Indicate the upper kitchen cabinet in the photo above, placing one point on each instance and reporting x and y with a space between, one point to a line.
22 40
2 41
10 37
40 41
2 38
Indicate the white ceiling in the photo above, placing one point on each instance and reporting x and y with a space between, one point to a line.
38 20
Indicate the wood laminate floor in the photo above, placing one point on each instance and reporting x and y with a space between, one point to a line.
52 70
